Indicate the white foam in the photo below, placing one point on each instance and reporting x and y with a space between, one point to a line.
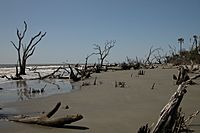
30 74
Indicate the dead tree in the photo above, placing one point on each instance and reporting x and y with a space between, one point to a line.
172 50
46 121
148 60
51 74
85 73
86 61
160 58
25 51
74 76
104 52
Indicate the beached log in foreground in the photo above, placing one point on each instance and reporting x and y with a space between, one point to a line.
171 119
168 114
46 121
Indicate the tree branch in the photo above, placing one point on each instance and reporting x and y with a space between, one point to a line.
14 45
25 29
30 54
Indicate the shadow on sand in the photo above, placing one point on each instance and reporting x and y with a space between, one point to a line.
73 127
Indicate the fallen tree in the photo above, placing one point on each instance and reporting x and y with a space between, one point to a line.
168 115
45 119
51 74
171 119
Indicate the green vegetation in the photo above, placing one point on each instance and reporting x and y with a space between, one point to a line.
186 56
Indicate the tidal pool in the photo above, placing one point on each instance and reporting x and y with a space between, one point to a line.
27 89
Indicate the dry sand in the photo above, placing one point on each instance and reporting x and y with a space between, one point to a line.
107 109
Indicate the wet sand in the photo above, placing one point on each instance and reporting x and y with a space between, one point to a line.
107 109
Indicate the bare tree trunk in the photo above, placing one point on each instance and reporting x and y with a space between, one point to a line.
25 51
104 52
17 73
23 67
101 62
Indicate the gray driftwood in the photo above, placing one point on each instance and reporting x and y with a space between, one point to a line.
170 114
171 119
46 121
182 75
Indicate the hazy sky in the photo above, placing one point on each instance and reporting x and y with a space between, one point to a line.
73 26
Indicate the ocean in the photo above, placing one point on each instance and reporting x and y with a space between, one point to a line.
26 89
11 90
28 65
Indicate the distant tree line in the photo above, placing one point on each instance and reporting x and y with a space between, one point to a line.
186 56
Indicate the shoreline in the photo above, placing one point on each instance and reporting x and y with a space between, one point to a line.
107 108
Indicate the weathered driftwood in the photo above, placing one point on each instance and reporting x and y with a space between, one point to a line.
141 72
144 129
49 75
80 74
171 118
84 73
190 118
120 84
153 86
73 76
168 114
182 75
11 77
95 81
46 121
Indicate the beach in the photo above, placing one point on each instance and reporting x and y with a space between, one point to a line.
107 108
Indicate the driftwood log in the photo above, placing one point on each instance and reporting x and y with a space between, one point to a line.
182 75
171 119
167 122
168 114
74 76
49 75
46 121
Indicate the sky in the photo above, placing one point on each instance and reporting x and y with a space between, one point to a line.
73 26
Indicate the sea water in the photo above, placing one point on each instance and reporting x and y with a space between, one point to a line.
24 89
27 89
